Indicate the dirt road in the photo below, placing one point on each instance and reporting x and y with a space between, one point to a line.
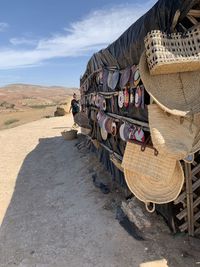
51 215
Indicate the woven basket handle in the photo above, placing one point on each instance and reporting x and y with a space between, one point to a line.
143 146
149 208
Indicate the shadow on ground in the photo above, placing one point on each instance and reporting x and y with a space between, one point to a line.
56 216
32 220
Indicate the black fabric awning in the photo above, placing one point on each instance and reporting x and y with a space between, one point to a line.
127 49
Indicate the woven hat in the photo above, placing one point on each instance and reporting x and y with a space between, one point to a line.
177 93
99 77
125 77
170 134
100 118
104 134
136 76
120 99
105 78
131 80
138 97
124 131
110 126
157 179
113 78
126 98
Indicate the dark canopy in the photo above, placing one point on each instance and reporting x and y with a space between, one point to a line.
127 49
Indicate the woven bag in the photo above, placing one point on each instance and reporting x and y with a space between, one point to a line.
171 53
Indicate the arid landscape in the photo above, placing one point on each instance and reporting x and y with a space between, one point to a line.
22 103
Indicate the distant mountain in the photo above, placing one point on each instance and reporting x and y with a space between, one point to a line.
27 95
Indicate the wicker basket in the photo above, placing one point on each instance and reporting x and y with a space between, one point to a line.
171 53
69 135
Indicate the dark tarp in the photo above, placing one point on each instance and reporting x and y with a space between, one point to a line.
127 49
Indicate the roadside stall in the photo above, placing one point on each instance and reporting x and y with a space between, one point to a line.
141 96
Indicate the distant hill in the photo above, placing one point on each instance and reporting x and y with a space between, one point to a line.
22 96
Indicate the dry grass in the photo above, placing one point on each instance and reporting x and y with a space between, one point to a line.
10 121
13 119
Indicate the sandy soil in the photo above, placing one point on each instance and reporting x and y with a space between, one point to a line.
25 116
51 215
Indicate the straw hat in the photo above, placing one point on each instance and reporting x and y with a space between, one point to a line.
104 134
177 93
169 134
113 78
157 179
126 98
105 78
125 77
120 99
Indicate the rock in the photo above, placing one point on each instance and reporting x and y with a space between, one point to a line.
59 112
136 213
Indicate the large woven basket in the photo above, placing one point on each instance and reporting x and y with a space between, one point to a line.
171 53
69 135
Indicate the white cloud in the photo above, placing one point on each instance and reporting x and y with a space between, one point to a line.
23 41
88 35
3 26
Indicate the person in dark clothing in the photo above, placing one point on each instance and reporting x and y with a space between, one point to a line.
74 107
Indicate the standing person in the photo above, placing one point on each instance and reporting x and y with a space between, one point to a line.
74 107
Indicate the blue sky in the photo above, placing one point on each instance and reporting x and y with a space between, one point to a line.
49 42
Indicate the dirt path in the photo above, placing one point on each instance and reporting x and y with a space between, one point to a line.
50 213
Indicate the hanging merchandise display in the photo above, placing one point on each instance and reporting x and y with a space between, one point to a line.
113 78
121 99
125 75
112 104
137 134
105 78
131 132
121 131
100 118
97 101
138 97
132 96
104 134
131 80
142 100
136 77
126 97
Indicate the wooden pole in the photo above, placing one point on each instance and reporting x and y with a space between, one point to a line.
189 195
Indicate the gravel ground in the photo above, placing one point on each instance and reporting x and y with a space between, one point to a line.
51 215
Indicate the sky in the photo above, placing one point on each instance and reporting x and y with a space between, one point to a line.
49 42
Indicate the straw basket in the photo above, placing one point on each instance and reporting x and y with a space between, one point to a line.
167 53
69 135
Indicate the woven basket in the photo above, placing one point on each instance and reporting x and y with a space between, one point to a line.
69 135
171 53
157 179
